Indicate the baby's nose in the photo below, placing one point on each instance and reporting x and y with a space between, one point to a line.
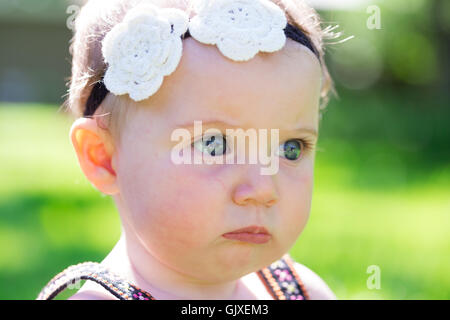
255 188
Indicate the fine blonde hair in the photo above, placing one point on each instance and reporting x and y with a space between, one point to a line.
98 17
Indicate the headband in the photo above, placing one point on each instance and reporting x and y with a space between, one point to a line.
147 45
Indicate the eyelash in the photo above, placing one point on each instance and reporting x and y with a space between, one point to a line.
307 146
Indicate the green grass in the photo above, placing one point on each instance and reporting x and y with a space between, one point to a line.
377 201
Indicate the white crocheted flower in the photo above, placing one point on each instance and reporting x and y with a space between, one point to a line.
143 49
239 28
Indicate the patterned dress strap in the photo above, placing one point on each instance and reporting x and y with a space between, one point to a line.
95 272
282 280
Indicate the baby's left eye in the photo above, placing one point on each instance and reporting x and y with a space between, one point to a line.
292 149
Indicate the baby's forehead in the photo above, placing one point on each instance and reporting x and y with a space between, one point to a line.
286 83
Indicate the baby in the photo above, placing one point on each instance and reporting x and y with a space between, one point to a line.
144 70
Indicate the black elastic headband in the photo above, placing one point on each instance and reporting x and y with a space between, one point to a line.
99 90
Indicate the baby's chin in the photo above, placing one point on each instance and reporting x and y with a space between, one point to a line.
238 260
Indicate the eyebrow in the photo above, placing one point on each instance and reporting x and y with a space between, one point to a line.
310 131
208 123
222 124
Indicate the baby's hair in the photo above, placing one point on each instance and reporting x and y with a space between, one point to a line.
98 17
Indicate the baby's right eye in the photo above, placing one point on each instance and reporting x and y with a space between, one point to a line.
214 145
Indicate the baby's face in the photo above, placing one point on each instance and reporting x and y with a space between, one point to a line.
180 212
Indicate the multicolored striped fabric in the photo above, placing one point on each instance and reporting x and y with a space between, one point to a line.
280 279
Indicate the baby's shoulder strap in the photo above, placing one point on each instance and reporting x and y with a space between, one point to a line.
95 272
282 280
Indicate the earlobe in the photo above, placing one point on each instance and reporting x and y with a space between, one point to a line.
94 154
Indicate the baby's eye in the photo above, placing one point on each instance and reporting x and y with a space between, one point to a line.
292 149
214 145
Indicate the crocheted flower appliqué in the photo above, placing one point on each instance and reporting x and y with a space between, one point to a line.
239 28
143 49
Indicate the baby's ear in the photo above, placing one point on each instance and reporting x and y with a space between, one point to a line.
94 151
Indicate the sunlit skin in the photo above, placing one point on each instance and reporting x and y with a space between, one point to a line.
173 216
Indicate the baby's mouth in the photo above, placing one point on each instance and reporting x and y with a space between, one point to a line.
251 234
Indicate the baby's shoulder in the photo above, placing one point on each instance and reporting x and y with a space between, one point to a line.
101 283
91 295
317 288
92 291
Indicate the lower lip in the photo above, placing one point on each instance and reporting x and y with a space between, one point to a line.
248 237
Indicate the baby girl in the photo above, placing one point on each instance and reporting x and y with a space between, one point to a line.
144 69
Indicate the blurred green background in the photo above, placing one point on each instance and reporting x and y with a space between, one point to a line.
382 174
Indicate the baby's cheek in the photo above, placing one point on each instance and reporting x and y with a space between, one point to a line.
303 185
185 208
296 194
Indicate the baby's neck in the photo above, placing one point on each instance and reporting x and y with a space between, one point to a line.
146 272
